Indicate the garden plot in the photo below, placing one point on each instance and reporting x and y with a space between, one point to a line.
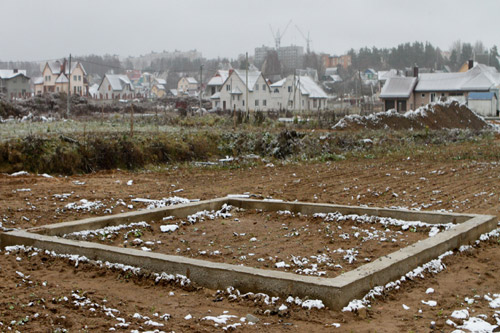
319 245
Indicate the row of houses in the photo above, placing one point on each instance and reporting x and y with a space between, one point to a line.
249 90
478 87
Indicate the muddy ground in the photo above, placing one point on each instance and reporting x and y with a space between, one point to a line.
306 245
28 200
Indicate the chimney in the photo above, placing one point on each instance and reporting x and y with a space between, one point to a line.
16 70
415 71
471 63
231 71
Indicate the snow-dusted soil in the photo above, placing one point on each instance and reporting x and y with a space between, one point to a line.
319 245
469 280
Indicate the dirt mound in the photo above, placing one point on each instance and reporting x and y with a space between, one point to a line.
432 116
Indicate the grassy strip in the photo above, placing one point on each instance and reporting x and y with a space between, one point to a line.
89 152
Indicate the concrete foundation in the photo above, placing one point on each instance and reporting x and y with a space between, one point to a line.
335 292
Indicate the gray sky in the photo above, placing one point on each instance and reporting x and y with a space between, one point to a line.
48 29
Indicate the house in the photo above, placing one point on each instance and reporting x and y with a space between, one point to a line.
233 94
115 87
334 61
301 93
58 77
159 89
397 93
421 89
187 85
483 103
214 87
38 85
14 83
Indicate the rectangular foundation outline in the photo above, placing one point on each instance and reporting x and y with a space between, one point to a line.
334 292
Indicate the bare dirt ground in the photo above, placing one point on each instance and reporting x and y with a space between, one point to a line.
29 200
304 245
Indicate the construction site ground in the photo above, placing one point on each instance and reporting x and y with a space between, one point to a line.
41 293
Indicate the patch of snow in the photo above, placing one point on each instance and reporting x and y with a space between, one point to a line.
169 227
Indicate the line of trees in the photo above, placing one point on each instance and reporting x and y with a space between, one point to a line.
424 55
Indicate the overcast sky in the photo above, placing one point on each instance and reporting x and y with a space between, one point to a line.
49 29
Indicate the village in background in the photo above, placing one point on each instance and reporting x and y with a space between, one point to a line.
278 78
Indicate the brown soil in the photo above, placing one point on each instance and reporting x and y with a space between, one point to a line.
302 244
436 116
458 185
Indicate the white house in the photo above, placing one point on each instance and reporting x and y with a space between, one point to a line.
214 87
301 94
233 94
116 86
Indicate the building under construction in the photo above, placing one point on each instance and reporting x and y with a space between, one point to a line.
291 57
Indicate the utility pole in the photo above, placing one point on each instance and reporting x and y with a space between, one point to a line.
246 85
201 83
69 88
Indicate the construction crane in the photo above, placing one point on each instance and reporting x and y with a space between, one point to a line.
308 39
277 36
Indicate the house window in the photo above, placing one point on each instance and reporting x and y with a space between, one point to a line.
263 87
74 77
314 103
256 87
256 102
228 87
276 90
423 95
79 77
109 87
57 89
264 102
243 102
289 88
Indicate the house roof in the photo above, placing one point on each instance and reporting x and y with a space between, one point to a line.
192 80
62 79
308 87
160 86
278 84
384 75
161 81
55 67
398 87
219 78
6 74
253 76
117 81
215 96
38 80
486 96
335 78
305 84
480 77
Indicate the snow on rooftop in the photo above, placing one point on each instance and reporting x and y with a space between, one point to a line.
253 76
480 77
191 80
308 87
9 73
219 78
118 81
398 87
62 79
